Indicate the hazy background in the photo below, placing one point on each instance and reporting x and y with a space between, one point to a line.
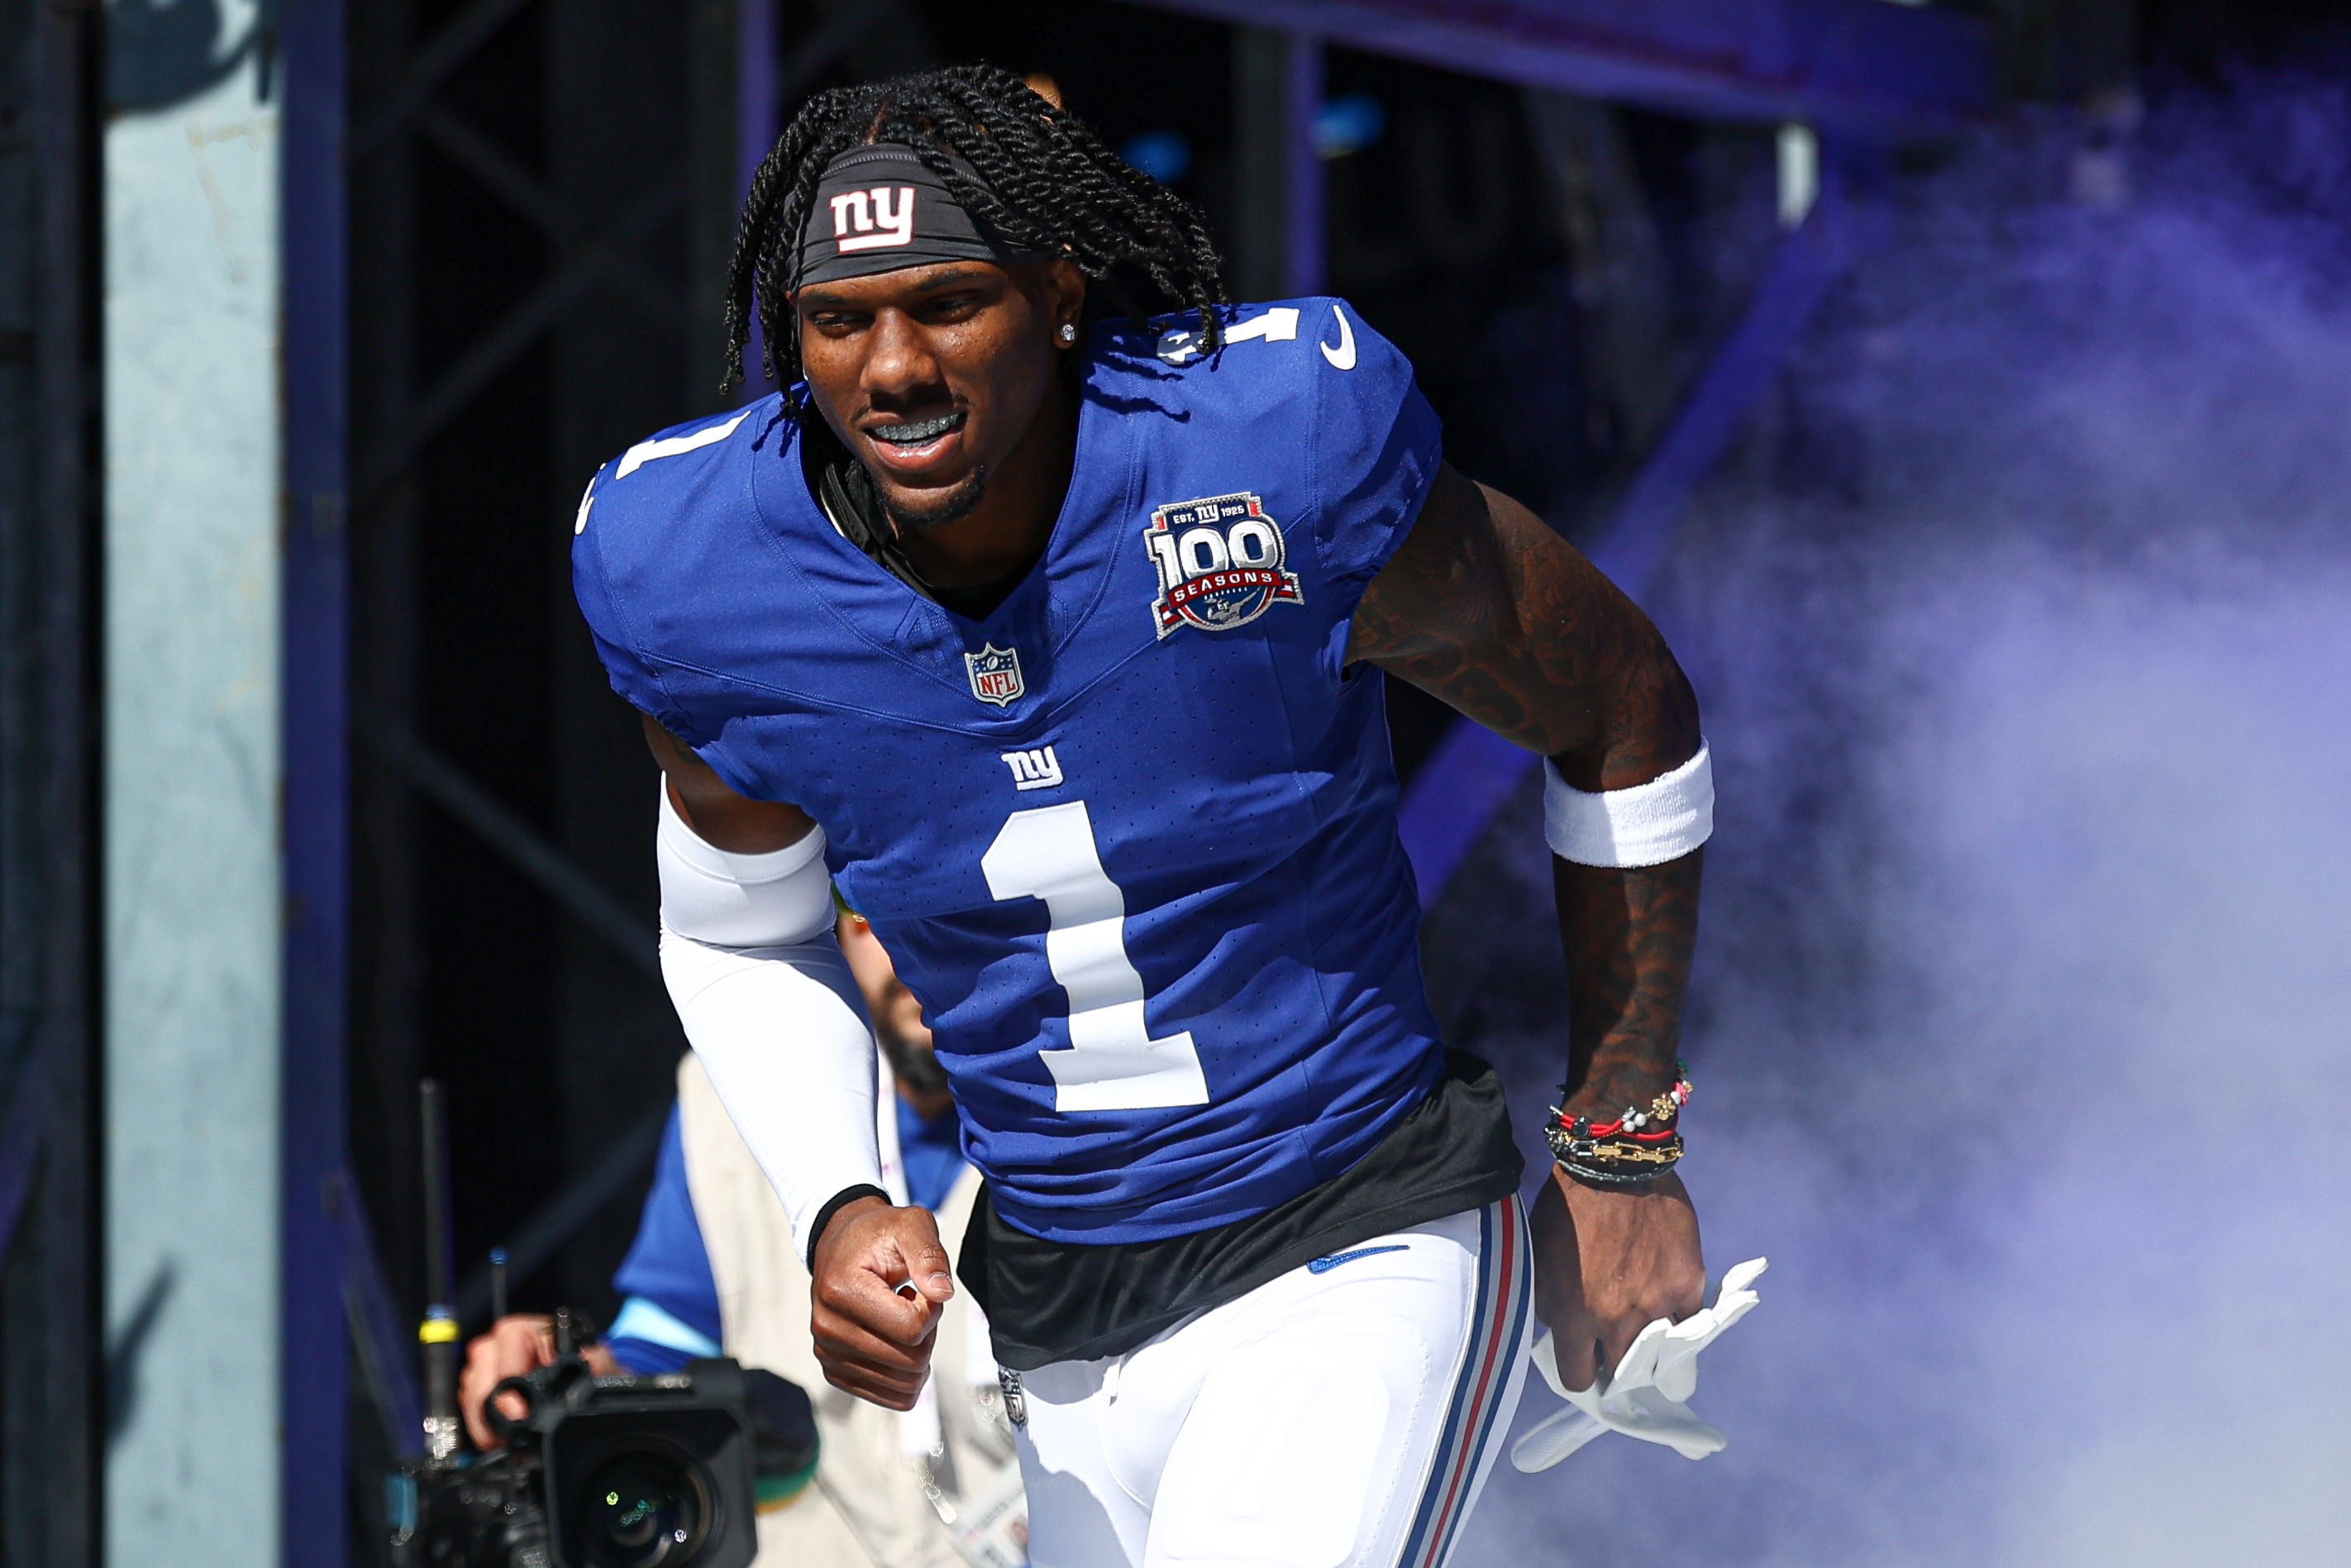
2023 623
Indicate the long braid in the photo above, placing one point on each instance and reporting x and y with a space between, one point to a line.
1046 183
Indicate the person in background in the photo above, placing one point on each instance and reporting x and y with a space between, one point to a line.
713 1271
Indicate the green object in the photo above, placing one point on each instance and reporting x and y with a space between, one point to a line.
774 1489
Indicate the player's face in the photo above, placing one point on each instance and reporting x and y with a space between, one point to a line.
931 375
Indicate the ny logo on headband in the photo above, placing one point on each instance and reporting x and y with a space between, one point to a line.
858 212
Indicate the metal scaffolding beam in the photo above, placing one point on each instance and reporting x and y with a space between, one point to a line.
1859 67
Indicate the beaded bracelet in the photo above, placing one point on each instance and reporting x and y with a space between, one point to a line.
1637 1146
1613 1175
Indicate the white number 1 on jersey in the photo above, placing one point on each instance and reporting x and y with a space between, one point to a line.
1113 1064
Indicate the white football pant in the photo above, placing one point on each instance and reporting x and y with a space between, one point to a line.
1343 1416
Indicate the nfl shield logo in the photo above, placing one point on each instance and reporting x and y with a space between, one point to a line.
995 675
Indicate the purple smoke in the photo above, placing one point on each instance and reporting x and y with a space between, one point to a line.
2023 1025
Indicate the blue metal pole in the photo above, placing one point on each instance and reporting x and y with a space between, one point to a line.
1304 244
759 87
1857 66
758 118
316 785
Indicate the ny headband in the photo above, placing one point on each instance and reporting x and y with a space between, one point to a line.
879 208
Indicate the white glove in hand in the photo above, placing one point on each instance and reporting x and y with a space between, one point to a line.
1642 1396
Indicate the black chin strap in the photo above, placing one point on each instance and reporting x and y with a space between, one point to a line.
853 502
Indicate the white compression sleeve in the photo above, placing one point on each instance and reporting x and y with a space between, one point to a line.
1648 825
731 900
770 1007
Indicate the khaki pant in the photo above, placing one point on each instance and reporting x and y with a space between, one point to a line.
867 1509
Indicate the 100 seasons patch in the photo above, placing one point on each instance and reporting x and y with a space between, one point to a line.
1220 563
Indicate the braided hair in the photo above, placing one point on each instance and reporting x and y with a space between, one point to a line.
1047 184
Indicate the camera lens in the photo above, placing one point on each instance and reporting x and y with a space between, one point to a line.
641 1507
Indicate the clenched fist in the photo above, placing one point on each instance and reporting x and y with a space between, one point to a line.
881 1281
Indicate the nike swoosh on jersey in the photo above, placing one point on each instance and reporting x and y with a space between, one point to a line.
1324 1265
1344 356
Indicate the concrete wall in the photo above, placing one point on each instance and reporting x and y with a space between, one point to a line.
192 563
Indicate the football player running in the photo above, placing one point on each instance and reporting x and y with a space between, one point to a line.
1055 640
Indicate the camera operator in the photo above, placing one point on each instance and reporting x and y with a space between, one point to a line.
712 1270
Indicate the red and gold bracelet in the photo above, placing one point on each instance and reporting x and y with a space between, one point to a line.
1639 1146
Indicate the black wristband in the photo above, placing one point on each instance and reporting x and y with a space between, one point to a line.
833 1206
1592 1176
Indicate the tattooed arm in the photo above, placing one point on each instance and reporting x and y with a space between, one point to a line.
1487 610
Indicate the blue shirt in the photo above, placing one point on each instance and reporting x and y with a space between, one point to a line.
930 1152
1131 839
670 1312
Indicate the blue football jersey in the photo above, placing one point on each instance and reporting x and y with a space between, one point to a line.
1132 838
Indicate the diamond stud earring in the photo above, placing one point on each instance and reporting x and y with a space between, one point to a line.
1067 333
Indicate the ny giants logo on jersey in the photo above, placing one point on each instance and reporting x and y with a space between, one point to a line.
1037 768
858 215
1220 563
995 675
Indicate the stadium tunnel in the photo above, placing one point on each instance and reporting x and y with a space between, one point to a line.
314 318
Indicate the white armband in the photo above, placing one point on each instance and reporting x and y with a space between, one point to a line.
1648 825
770 1007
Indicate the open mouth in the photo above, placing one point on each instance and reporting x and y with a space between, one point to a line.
916 433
